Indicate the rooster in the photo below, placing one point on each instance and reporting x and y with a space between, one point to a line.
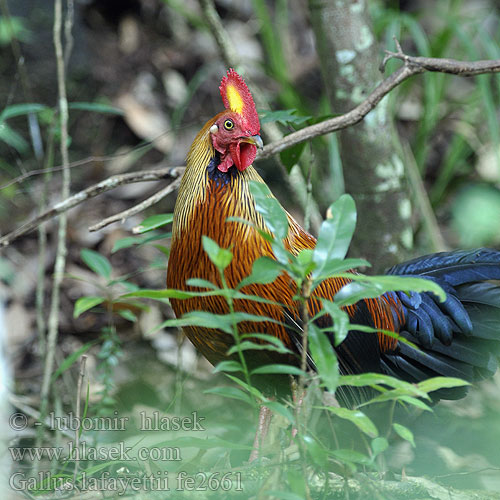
458 337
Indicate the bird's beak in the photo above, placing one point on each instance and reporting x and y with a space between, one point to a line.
256 140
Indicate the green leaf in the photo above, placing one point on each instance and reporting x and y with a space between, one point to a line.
204 319
341 322
379 445
335 234
230 392
255 298
291 155
228 366
252 346
126 242
96 107
283 256
200 283
21 109
392 395
12 138
249 388
128 315
357 417
97 262
364 287
85 303
222 322
404 432
163 249
264 271
275 341
7 271
70 360
154 222
415 402
14 27
283 116
272 212
378 379
131 287
335 266
220 257
346 455
277 369
316 450
324 357
436 383
280 409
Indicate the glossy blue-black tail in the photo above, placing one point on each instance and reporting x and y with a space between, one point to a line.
456 338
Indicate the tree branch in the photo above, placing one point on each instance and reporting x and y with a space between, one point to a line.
451 66
61 250
412 66
91 192
139 207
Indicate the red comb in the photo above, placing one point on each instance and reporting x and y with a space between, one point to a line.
237 98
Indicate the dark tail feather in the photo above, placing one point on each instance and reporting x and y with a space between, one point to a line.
475 347
455 268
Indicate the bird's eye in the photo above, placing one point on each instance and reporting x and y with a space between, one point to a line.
229 124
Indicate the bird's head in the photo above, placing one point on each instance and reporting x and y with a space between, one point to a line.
235 132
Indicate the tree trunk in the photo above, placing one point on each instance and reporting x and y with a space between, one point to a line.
370 151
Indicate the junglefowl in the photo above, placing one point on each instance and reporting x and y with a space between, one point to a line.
455 338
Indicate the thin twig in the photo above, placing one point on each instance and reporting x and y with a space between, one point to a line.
226 45
68 35
60 263
91 192
42 248
81 375
139 207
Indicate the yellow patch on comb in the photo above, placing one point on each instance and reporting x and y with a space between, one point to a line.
235 100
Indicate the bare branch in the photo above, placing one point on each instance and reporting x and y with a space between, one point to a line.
81 375
451 66
139 207
226 45
91 192
61 251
